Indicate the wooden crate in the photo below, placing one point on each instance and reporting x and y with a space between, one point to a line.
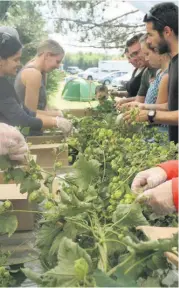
46 156
19 201
45 138
79 112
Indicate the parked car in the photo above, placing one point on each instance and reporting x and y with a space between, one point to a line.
90 74
109 77
69 78
120 82
73 70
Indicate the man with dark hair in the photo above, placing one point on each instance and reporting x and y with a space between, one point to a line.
162 30
134 50
139 83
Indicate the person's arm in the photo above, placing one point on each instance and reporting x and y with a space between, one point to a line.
52 113
162 107
140 98
31 79
171 168
162 98
163 90
166 117
120 93
12 111
175 192
161 117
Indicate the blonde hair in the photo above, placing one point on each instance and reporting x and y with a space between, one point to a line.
50 46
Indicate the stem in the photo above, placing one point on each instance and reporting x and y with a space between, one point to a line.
104 172
29 211
113 270
120 220
102 264
138 262
112 240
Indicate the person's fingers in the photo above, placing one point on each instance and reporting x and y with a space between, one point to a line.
127 117
145 197
17 157
138 183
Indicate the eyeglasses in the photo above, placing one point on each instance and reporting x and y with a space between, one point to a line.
149 16
135 53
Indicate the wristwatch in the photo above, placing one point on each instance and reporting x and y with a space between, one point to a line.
151 115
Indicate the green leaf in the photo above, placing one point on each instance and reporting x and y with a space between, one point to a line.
18 175
86 171
129 215
8 224
25 131
149 282
45 239
29 185
103 280
69 231
33 276
81 269
5 162
124 280
64 275
115 244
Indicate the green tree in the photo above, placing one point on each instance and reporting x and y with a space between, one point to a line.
25 17
84 60
93 23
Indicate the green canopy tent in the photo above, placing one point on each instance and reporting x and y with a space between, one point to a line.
79 90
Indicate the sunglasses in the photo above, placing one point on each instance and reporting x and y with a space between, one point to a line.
149 16
5 37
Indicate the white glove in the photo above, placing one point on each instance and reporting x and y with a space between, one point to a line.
148 179
12 143
64 125
119 118
60 113
159 198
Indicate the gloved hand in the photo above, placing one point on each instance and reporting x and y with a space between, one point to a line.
159 198
59 113
119 118
148 179
64 125
12 143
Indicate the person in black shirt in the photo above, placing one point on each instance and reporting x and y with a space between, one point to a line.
12 112
162 30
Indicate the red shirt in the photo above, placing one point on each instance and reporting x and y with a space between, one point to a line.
171 168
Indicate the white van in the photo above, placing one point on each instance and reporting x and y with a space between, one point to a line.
108 66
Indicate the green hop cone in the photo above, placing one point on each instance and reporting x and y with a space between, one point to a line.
81 269
7 204
48 205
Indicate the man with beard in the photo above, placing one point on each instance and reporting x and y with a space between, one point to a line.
162 30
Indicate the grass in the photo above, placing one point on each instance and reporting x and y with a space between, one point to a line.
56 101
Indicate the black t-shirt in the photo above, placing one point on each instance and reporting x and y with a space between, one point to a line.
12 112
147 76
173 95
132 86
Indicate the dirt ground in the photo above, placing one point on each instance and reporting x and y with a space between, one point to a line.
56 101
